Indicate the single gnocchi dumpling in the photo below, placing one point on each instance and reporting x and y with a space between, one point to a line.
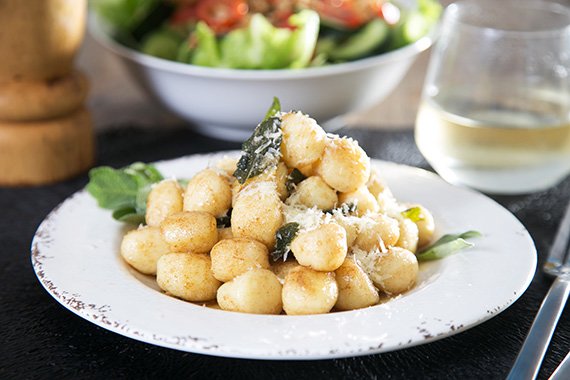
314 192
190 231
257 291
409 234
426 225
303 140
350 225
381 192
307 291
187 276
377 231
257 213
344 166
393 272
208 191
228 166
362 198
142 248
165 198
323 249
232 257
355 289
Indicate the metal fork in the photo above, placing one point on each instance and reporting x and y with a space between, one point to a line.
558 265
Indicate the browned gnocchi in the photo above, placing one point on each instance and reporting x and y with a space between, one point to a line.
307 291
355 288
190 231
142 248
188 276
300 224
233 257
257 291
323 248
164 199
208 191
257 213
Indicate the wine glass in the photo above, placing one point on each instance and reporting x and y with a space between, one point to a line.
495 112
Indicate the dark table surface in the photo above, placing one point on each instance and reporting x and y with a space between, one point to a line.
41 339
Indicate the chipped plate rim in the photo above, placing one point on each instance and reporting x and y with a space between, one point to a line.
75 256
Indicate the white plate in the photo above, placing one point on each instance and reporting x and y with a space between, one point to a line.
75 256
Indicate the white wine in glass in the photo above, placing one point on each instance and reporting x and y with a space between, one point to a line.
495 113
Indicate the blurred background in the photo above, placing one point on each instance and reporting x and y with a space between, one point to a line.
116 100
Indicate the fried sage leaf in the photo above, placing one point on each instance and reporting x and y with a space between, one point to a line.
345 209
224 221
447 245
293 179
129 215
274 109
283 238
263 149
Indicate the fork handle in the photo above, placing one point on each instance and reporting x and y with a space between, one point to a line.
532 352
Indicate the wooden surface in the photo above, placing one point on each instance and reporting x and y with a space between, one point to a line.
116 99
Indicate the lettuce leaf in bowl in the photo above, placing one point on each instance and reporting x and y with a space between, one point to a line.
303 38
260 45
207 51
416 23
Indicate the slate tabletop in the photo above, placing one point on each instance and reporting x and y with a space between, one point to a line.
39 339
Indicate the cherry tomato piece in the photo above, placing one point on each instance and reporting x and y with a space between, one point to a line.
221 15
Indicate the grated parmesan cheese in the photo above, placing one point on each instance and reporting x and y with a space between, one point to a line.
307 218
367 260
364 222
351 220
260 188
334 136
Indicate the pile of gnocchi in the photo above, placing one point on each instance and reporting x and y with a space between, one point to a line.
309 229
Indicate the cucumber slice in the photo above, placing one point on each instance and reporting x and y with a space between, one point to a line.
411 28
416 27
325 45
362 43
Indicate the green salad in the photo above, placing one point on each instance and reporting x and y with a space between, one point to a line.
266 34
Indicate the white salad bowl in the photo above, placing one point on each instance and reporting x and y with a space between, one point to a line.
229 103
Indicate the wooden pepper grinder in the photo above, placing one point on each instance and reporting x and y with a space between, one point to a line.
45 131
